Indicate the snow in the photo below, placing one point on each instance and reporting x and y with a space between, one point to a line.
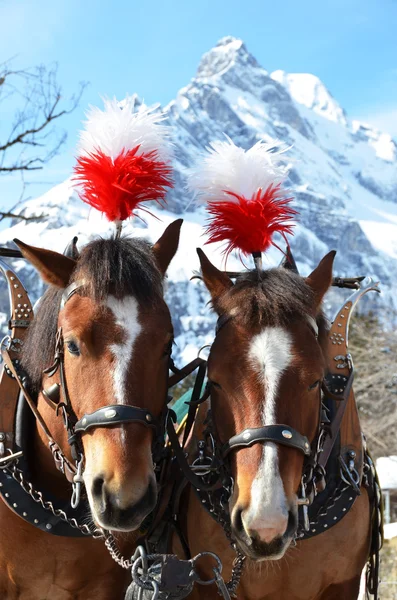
342 173
386 467
307 89
390 531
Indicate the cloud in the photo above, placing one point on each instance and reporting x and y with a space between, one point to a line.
381 117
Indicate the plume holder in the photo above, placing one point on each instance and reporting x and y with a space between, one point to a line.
257 256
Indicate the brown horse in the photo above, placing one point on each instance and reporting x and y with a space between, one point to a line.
112 350
266 366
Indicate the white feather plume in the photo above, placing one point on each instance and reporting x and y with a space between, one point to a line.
121 127
229 168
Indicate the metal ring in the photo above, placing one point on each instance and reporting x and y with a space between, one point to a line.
219 567
3 345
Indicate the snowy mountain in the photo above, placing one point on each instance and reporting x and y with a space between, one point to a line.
343 175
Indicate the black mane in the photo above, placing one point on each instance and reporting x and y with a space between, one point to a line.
117 266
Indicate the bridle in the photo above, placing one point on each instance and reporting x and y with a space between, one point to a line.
57 397
281 434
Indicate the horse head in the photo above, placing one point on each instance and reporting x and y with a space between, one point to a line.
265 368
116 336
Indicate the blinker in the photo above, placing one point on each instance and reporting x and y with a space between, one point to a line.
52 394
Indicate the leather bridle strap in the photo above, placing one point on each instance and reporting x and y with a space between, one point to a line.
61 460
7 361
116 414
194 480
278 434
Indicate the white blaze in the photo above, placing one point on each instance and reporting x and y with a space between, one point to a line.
270 354
126 314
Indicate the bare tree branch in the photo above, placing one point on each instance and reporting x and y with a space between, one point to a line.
11 215
34 97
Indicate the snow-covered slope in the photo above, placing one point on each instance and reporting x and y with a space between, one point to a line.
343 175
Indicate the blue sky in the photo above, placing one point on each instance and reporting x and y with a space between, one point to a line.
153 48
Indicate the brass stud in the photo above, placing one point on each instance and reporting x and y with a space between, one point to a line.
36 521
149 418
24 514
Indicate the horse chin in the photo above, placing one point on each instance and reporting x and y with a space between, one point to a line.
258 551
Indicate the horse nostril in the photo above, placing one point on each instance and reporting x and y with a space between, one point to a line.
97 487
238 520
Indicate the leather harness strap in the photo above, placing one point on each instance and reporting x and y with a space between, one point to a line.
338 382
116 414
21 316
280 434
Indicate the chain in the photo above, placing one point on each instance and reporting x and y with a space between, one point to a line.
221 516
37 496
115 553
237 571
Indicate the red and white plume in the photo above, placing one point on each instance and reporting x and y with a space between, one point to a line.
244 195
124 159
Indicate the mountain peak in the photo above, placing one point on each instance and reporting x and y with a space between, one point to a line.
227 53
309 90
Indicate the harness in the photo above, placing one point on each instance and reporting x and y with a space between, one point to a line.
332 474
321 505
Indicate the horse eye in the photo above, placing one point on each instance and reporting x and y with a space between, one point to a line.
314 385
73 348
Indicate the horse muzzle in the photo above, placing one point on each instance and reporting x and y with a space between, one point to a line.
267 541
118 511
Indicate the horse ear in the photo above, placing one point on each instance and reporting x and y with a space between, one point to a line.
321 278
54 268
165 248
215 280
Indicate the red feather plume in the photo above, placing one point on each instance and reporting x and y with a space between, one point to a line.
249 224
117 187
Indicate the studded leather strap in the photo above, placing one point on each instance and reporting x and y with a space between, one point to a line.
116 414
21 315
279 434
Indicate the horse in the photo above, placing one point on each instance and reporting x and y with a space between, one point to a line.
100 407
272 355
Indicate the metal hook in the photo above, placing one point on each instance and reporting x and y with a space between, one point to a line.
77 482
